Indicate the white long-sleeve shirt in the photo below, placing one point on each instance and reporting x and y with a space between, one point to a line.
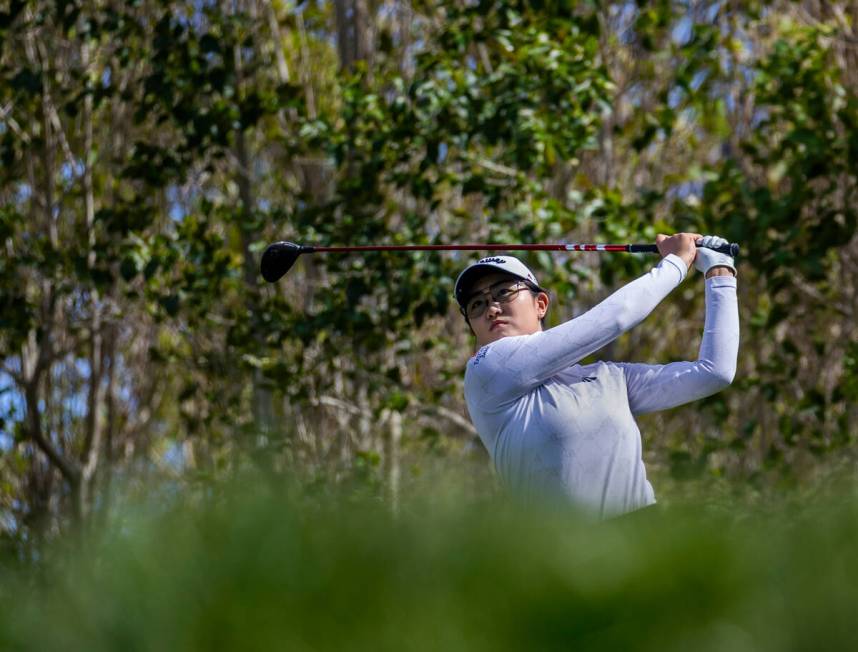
554 426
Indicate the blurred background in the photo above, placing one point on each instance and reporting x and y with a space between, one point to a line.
150 149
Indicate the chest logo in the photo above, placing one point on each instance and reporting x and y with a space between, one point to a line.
480 355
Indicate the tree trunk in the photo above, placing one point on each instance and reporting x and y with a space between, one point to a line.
354 32
394 439
262 402
94 434
279 46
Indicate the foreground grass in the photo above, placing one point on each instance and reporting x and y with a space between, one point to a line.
267 569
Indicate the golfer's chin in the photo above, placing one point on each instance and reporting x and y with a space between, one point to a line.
496 333
505 330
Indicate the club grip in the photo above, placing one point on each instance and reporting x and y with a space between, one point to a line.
731 249
643 249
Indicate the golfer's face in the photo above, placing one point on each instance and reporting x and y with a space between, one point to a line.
518 316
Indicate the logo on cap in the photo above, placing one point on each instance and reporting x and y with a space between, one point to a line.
499 261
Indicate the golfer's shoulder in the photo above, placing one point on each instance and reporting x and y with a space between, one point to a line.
480 362
496 354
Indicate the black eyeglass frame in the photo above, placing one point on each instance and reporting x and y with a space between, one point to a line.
521 285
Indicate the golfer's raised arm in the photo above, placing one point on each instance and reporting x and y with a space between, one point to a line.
659 387
511 366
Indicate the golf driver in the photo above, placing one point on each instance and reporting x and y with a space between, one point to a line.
279 257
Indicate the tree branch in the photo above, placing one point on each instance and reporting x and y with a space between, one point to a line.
34 421
454 417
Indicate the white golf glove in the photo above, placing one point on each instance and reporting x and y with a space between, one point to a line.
708 258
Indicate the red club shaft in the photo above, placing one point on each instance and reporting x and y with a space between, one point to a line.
491 247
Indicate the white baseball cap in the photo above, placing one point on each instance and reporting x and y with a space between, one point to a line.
509 264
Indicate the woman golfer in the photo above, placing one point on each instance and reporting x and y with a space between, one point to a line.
553 426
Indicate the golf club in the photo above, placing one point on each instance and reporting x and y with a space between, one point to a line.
279 257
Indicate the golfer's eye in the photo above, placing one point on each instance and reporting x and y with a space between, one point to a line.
504 293
476 305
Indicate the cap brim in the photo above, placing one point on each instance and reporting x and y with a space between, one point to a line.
475 273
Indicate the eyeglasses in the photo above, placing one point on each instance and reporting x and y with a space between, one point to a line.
502 292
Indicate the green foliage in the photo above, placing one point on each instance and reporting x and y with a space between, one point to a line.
257 570
151 149
491 127
803 210
16 316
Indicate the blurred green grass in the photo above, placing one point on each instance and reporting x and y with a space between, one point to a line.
262 566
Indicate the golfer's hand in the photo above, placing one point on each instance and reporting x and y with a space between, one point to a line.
682 244
708 260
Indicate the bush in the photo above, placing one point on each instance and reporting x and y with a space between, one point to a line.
269 568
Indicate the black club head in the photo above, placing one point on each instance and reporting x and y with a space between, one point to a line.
278 259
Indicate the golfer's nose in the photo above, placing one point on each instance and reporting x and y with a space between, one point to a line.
494 308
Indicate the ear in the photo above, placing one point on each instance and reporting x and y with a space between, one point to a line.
542 302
